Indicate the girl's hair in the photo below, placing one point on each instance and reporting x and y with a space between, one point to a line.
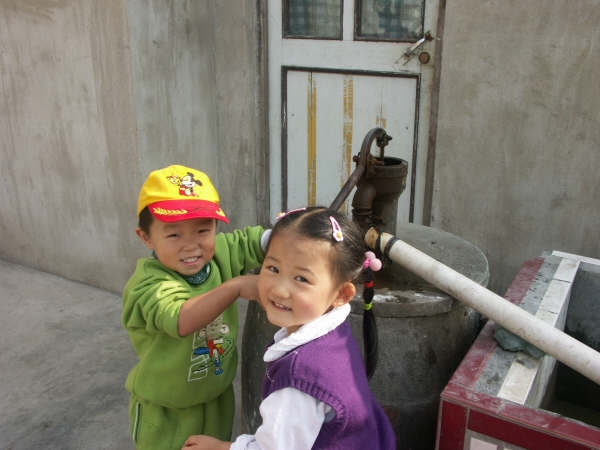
314 223
346 258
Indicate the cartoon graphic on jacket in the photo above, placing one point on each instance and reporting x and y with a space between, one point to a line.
214 346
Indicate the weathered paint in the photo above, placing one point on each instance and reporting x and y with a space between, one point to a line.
381 121
348 130
453 423
311 136
474 363
527 378
516 434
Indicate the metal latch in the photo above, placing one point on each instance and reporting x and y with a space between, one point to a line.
412 50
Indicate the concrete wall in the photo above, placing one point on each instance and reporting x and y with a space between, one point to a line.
517 158
94 95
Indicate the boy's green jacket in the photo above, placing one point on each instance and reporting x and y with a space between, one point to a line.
175 371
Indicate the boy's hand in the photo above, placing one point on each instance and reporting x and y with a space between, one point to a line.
202 442
248 286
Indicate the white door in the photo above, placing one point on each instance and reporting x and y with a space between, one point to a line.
337 70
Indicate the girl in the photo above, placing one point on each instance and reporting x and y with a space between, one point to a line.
315 391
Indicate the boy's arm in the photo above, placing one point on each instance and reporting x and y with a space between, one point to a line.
197 312
240 251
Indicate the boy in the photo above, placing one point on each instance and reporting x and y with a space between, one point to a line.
179 310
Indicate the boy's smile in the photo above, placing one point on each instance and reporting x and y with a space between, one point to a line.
184 246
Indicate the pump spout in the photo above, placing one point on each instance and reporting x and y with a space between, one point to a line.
361 161
379 180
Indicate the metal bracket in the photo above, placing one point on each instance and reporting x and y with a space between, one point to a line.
412 50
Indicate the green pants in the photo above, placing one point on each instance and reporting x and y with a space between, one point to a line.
155 427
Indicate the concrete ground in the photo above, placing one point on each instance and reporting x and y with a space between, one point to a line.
64 358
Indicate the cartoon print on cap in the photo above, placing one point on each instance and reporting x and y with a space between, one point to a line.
186 184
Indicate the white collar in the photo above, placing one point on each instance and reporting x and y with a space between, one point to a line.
310 331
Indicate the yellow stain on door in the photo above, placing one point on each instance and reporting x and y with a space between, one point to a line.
348 129
381 121
312 140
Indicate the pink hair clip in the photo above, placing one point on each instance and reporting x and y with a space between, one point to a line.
336 229
281 215
372 262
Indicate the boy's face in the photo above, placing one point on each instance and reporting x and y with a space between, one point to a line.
184 246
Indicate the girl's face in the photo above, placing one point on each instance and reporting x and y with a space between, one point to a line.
296 284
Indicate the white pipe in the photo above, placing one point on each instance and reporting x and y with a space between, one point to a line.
552 341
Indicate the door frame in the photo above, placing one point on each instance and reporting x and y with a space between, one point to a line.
433 114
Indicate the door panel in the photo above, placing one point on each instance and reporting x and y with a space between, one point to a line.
328 115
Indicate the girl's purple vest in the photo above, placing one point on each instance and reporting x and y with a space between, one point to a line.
330 368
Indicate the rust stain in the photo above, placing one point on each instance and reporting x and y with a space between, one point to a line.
348 130
312 141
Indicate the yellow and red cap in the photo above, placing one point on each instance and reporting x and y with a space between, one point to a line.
179 193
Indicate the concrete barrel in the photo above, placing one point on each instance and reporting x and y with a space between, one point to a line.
423 335
258 333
